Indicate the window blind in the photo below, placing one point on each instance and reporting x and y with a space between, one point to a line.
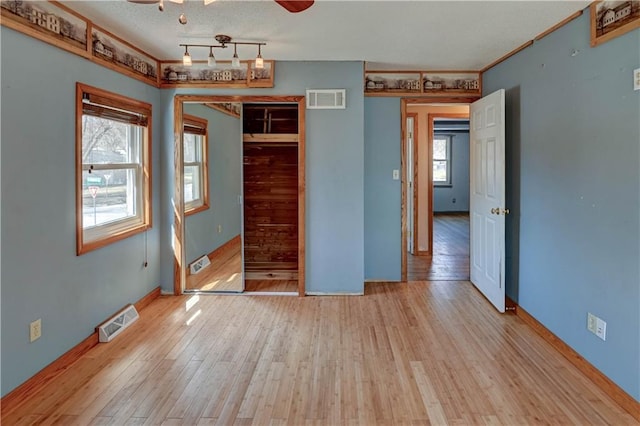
110 109
195 127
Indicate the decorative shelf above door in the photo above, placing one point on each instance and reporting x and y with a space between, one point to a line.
423 83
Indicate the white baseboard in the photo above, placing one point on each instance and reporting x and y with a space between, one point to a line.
321 293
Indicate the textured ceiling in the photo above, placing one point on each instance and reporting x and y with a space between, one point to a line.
439 35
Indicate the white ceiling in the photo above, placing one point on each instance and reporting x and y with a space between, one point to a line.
432 35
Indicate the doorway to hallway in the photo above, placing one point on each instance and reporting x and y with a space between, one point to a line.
450 258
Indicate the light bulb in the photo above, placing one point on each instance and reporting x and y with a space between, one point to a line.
211 61
186 60
259 62
235 62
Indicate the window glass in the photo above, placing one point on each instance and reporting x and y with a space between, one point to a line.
196 197
442 160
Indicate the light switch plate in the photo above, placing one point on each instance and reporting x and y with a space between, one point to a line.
396 174
636 79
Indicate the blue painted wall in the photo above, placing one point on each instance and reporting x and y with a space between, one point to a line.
334 172
382 236
455 198
74 294
41 275
225 185
573 152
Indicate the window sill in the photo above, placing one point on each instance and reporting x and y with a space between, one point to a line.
195 210
85 247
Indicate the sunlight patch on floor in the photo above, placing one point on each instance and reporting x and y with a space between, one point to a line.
191 302
193 317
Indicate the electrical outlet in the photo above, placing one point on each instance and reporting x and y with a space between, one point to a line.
35 330
592 322
597 326
396 174
219 229
453 201
636 79
601 329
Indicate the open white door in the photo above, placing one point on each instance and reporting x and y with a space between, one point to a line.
487 203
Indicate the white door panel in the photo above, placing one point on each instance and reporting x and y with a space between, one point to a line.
488 198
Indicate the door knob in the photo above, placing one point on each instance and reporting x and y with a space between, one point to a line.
499 211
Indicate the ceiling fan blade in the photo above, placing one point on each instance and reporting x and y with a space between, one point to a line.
295 6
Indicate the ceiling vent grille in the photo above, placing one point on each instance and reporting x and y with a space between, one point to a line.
108 330
326 99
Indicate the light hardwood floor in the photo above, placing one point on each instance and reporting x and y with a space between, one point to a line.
223 274
290 286
450 260
420 353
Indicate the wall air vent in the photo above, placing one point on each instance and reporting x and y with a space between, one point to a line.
109 329
326 99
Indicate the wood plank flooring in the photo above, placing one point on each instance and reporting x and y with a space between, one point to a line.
271 285
223 274
450 260
420 353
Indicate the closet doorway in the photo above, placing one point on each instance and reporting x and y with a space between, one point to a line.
271 199
270 182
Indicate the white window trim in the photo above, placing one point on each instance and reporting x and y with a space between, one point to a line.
117 226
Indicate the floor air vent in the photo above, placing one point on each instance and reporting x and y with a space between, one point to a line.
199 264
114 326
326 99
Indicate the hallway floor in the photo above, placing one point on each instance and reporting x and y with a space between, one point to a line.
450 260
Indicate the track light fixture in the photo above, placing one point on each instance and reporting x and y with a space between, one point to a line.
224 42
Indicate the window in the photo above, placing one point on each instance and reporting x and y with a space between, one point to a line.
441 160
113 170
196 188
